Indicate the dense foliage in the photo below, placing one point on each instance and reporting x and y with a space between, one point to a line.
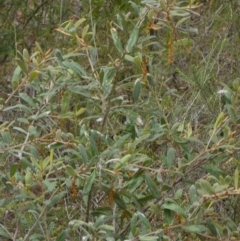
121 126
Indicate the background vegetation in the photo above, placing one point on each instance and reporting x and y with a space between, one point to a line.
119 120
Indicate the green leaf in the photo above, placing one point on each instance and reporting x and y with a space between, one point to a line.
20 106
236 84
129 58
210 225
214 170
22 65
170 156
65 102
62 236
133 39
183 42
23 120
106 227
143 219
195 228
133 224
20 130
148 238
219 121
25 56
35 163
16 77
206 187
107 80
178 194
4 234
28 99
79 90
38 47
231 225
173 207
77 68
166 187
52 202
6 137
116 40
168 216
50 227
83 153
58 54
199 189
32 131
2 201
90 181
182 20
79 22
93 145
179 12
134 183
71 172
39 116
119 201
122 161
85 31
236 178
193 194
190 30
163 5
50 185
13 169
26 163
136 90
152 186
80 111
28 177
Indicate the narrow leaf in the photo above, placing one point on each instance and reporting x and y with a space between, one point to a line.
116 40
65 103
71 172
206 186
13 169
211 227
148 238
219 120
83 153
144 220
170 156
168 216
174 207
236 178
122 161
4 234
22 65
28 99
90 181
136 90
119 201
193 194
152 186
25 56
16 77
133 39
195 228
79 22
85 31
50 203
77 68
133 224
79 90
